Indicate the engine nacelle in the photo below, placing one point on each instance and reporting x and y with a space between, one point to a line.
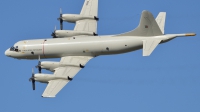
70 33
51 66
72 18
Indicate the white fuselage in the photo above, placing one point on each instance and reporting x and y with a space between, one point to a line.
75 46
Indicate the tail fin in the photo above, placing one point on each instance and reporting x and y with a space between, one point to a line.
147 27
161 21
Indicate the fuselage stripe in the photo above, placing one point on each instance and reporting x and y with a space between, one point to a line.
43 49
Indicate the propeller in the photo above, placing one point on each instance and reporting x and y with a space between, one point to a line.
39 64
61 20
54 33
32 79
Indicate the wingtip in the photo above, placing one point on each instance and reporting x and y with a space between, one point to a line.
48 96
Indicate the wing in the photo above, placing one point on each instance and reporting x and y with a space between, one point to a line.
90 8
54 86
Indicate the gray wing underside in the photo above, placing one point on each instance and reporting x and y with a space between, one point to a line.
86 25
90 8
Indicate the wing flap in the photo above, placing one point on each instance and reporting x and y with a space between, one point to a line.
149 46
67 71
71 71
75 60
86 25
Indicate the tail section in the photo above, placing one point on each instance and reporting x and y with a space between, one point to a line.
161 21
147 27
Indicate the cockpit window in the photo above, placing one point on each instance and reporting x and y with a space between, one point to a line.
14 49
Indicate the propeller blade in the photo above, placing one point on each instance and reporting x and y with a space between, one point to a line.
61 20
39 57
53 34
60 10
40 69
32 79
61 24
55 29
33 84
39 64
32 73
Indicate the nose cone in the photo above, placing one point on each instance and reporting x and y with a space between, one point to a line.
7 52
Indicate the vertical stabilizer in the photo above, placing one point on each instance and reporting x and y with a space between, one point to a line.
147 27
161 21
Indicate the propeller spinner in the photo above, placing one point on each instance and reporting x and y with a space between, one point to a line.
54 33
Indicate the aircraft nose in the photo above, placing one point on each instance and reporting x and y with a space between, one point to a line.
7 52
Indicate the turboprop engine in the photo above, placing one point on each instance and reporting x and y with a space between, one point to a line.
51 66
70 33
72 18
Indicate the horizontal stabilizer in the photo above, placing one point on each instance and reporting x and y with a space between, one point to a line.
160 19
53 87
149 46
